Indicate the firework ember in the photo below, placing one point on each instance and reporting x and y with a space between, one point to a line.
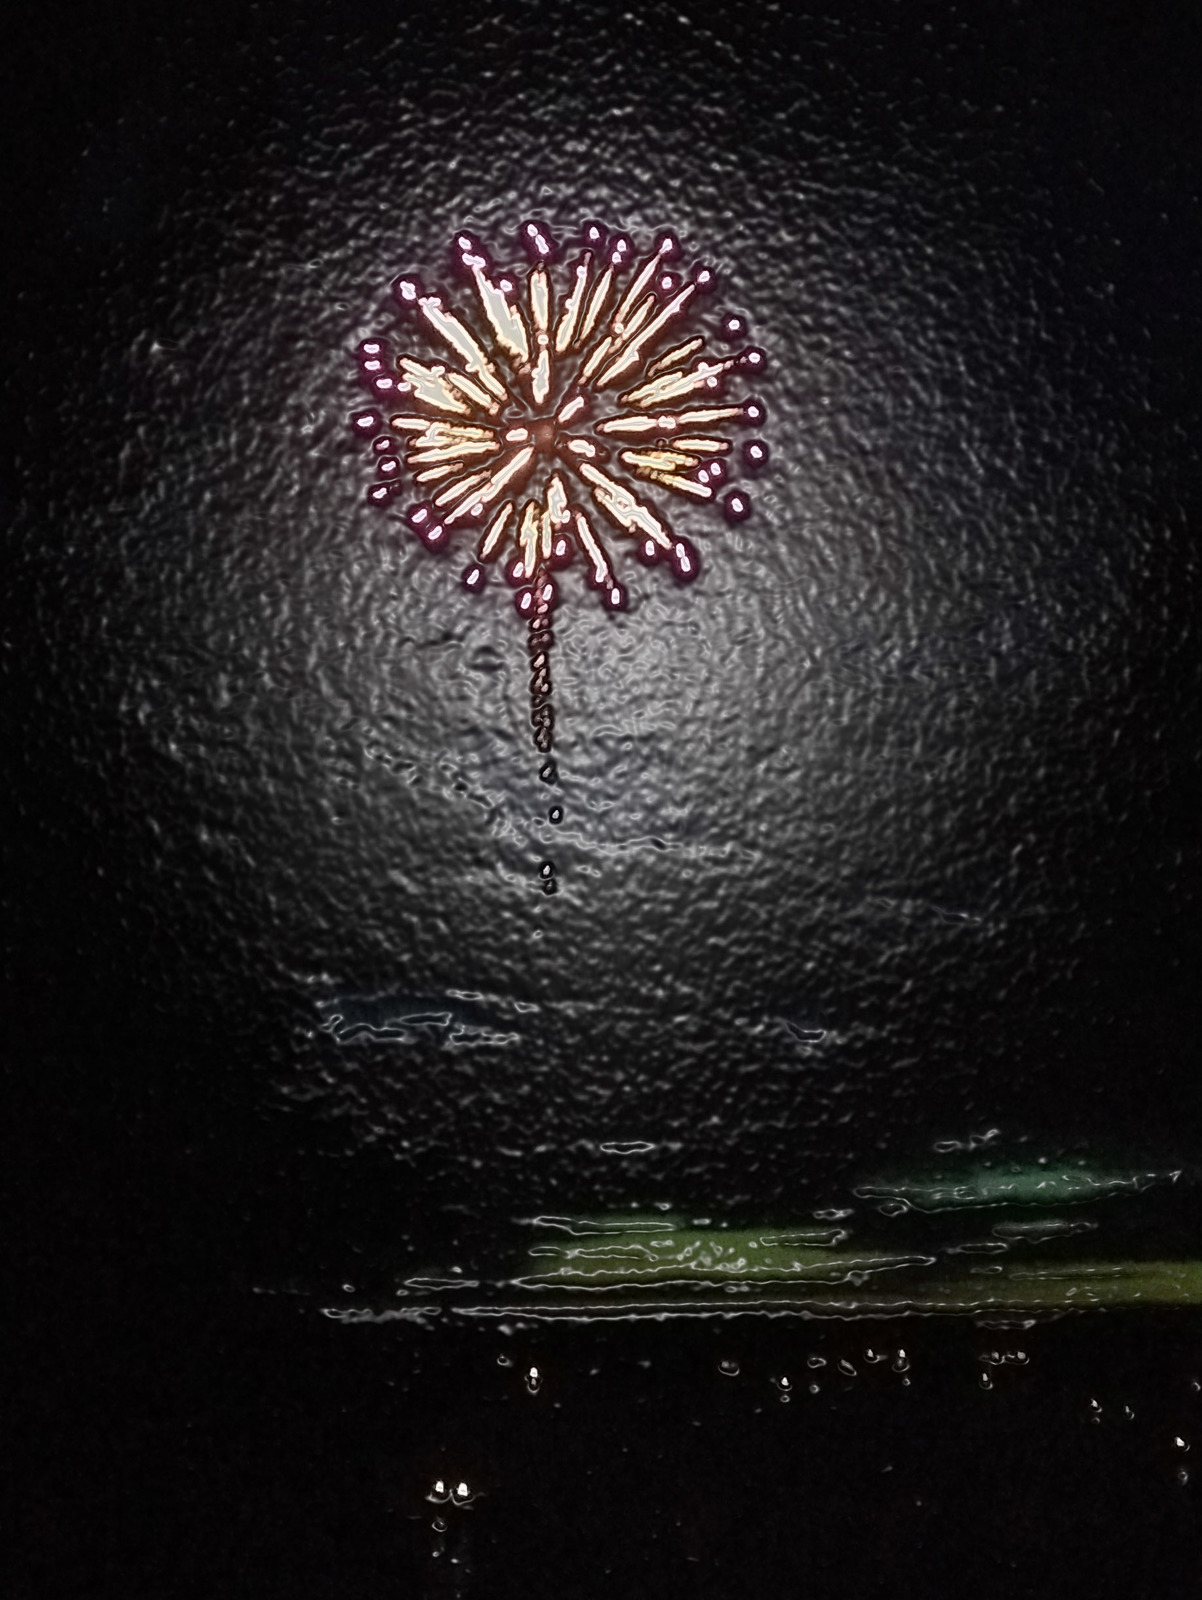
575 400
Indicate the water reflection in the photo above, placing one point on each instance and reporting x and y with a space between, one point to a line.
926 1249
452 1021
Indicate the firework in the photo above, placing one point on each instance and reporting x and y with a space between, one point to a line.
573 402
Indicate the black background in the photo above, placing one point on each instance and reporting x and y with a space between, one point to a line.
883 833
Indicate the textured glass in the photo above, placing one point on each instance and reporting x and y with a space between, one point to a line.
876 845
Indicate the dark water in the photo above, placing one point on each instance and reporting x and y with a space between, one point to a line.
881 835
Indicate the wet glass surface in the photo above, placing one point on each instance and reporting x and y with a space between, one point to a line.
878 857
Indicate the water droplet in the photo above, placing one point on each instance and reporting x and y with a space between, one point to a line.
549 772
555 814
547 870
534 1379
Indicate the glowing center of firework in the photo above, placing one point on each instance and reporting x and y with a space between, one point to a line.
544 435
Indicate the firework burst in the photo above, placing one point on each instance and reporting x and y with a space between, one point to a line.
580 397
